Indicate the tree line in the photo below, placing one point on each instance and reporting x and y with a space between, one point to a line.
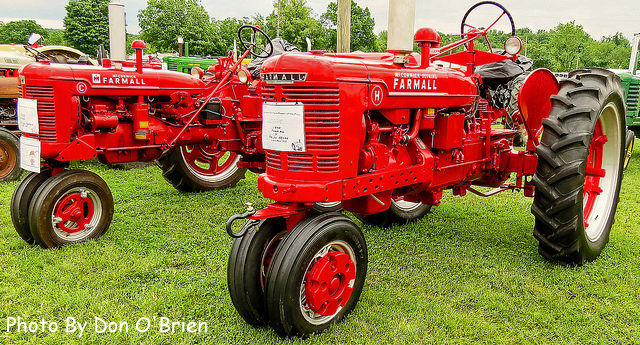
563 48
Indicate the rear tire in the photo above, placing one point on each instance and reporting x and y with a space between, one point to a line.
20 201
197 168
317 275
248 267
400 212
579 172
71 207
9 153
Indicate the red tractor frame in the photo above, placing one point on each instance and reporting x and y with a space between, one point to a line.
386 135
203 130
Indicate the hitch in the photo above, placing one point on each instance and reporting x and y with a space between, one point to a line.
250 223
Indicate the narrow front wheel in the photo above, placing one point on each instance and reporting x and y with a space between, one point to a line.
316 275
71 207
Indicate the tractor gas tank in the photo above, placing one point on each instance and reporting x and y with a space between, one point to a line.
395 87
113 81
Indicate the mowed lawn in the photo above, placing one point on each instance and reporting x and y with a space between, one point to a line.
467 273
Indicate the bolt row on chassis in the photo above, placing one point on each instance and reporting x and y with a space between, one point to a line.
386 135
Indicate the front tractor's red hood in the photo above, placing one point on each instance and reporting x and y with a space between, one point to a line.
113 81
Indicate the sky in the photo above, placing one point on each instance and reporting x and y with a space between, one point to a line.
599 18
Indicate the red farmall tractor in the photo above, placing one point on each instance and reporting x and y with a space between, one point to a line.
204 132
387 134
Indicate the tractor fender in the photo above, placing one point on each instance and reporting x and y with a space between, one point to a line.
534 99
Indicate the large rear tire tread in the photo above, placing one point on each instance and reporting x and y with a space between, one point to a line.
175 171
562 159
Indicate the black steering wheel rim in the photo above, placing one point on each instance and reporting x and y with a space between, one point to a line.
38 55
505 11
265 51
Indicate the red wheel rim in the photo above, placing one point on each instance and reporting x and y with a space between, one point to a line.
208 163
594 172
73 212
329 283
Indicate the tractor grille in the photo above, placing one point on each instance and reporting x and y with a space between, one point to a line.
46 110
321 122
172 65
632 97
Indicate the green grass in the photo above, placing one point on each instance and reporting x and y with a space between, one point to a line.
467 273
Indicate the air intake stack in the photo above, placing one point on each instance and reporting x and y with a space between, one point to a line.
402 16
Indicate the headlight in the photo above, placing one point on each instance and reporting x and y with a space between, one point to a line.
197 72
243 76
513 45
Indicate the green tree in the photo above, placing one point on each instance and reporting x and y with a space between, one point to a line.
19 31
227 30
381 41
362 36
297 23
87 24
566 46
55 37
163 21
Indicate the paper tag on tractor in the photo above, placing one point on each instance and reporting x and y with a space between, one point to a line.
28 116
30 154
283 127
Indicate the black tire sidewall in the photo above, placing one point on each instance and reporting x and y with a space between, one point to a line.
244 269
20 201
13 143
44 202
177 172
628 146
294 256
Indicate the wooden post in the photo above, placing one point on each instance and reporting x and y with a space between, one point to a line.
344 26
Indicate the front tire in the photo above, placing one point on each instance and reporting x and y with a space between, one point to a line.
316 276
248 266
9 148
20 201
579 172
198 168
71 207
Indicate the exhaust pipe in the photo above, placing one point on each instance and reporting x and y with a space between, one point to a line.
402 16
117 31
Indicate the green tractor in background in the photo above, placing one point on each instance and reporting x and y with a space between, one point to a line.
185 63
631 85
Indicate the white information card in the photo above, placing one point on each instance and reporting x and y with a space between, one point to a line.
283 127
28 115
30 154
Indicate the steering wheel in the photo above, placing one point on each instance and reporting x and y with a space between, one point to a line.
504 12
261 46
39 56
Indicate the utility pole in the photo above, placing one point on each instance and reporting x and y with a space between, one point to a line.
344 26
278 29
